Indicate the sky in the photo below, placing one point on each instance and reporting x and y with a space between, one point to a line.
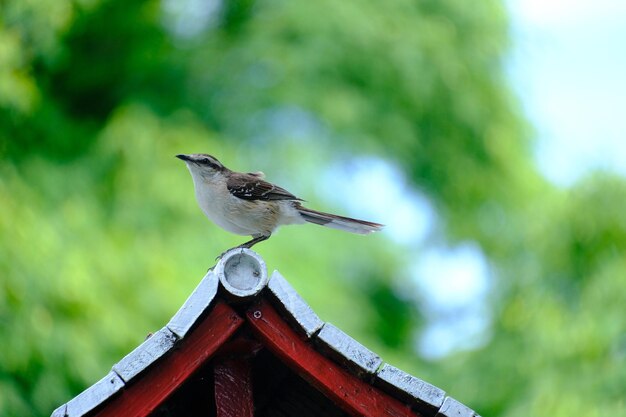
569 70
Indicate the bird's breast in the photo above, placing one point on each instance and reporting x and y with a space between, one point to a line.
234 214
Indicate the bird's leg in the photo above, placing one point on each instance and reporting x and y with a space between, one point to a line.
247 244
254 241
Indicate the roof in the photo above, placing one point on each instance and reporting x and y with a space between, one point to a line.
237 293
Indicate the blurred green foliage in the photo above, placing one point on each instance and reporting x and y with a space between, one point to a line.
101 239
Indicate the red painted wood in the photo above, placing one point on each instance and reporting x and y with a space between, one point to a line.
140 398
356 397
240 346
233 388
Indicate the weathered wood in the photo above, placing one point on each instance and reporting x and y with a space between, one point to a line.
145 354
425 397
453 408
298 311
348 351
140 398
233 388
354 396
94 395
197 303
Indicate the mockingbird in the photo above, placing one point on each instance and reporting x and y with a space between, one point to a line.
245 204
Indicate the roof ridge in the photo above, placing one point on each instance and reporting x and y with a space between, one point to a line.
243 275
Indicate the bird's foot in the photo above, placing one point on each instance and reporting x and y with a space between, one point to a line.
244 246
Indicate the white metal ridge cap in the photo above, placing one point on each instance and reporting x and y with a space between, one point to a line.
196 304
348 349
242 273
145 354
427 398
453 408
294 305
61 411
93 396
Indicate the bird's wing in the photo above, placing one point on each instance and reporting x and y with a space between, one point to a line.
251 187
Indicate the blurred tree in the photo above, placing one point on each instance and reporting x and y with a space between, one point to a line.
97 234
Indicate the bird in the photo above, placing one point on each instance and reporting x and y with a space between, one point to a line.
245 204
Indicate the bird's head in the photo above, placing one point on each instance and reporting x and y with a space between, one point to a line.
202 165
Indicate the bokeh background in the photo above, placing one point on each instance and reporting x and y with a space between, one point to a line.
469 128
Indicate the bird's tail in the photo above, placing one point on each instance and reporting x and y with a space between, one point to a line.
347 224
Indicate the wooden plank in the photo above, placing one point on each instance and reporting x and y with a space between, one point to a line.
353 395
141 397
233 388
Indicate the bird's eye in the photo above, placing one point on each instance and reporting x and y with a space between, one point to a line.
206 161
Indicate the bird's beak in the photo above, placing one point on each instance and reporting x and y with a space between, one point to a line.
184 157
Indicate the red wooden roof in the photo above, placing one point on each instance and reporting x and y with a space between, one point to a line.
245 345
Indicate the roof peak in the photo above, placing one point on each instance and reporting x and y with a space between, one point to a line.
242 273
243 276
